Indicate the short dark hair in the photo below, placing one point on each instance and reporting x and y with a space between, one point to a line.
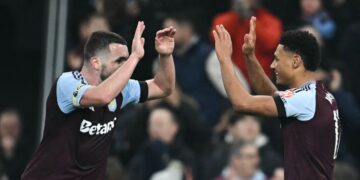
189 17
100 41
168 107
236 116
304 44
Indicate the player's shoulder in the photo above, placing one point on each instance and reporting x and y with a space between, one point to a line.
307 88
300 102
71 77
304 92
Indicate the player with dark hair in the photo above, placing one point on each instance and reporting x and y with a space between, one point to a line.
308 112
83 107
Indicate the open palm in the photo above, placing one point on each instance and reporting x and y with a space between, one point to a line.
164 41
250 38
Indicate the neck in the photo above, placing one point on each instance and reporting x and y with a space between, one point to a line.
90 75
302 79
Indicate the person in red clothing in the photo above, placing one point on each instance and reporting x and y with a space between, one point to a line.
236 21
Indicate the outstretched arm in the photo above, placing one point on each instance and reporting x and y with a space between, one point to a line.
239 97
259 80
106 91
164 81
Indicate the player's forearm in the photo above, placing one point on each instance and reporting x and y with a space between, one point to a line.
115 83
165 76
237 94
260 82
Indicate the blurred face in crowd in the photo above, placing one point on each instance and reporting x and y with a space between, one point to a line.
283 65
184 31
110 61
162 126
247 160
245 7
310 7
246 129
278 174
10 126
95 23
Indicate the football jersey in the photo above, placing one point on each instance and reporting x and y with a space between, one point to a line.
310 130
77 140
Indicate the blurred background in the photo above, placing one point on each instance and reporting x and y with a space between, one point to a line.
194 133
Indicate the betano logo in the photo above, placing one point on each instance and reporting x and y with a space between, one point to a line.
87 127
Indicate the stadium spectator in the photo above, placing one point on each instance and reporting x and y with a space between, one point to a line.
349 53
130 134
243 129
278 174
163 147
12 159
243 163
195 132
313 13
122 15
236 21
90 24
190 57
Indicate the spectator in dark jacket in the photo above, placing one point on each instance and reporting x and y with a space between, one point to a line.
243 128
243 163
190 56
12 159
163 147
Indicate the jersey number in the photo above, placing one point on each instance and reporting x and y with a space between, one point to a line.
337 132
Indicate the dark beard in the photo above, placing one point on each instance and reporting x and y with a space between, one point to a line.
103 76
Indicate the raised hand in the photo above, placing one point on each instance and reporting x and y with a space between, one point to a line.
223 44
138 42
250 39
164 41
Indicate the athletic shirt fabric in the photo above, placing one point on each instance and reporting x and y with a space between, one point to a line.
77 140
310 130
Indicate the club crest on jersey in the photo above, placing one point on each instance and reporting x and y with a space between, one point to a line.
88 127
112 106
287 93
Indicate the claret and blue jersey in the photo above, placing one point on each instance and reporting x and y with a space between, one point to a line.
311 131
77 139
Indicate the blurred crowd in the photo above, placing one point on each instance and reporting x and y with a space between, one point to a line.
194 133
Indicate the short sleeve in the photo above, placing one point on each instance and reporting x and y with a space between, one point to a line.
134 92
298 103
69 91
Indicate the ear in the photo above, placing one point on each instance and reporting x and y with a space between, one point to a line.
95 63
297 61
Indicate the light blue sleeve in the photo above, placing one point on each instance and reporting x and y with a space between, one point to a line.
301 104
131 93
69 92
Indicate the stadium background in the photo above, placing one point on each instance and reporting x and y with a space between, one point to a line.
41 38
